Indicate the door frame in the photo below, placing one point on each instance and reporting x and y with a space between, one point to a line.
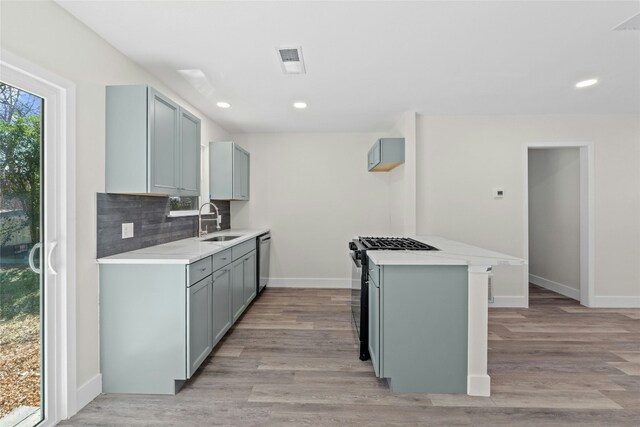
59 307
587 191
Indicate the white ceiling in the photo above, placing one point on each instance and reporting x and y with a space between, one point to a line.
367 62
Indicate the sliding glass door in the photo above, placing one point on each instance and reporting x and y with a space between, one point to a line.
22 281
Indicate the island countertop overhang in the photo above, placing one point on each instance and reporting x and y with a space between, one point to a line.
450 252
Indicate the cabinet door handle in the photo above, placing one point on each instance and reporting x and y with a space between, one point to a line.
223 259
203 269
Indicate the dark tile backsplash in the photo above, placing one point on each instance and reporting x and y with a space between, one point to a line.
151 223
224 207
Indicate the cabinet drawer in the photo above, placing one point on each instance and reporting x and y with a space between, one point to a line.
242 249
199 270
221 259
374 272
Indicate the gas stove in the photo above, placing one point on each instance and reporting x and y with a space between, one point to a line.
359 278
394 244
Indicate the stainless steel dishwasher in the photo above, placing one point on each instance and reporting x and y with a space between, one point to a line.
264 246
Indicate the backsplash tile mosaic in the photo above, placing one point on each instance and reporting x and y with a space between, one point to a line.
151 223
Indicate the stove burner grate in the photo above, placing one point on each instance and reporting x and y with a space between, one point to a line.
395 243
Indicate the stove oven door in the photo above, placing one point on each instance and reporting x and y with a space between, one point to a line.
360 304
356 291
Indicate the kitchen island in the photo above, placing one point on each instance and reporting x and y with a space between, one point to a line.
428 316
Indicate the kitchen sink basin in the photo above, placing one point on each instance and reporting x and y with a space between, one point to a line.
220 238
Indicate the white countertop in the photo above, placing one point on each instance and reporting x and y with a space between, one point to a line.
450 253
185 251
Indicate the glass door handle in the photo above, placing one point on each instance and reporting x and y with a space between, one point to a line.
32 253
50 258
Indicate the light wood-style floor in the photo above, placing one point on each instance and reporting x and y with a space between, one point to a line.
292 361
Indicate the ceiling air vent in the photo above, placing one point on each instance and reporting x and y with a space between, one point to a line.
631 24
291 60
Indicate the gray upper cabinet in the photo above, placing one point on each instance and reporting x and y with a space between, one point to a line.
190 155
385 155
229 171
164 122
152 144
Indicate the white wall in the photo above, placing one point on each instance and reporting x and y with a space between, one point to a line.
315 193
402 179
460 159
397 198
554 219
46 35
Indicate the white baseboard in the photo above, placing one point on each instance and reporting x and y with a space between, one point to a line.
565 290
88 391
336 283
509 302
478 385
616 302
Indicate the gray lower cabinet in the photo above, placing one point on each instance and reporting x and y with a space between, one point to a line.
374 326
152 144
222 316
229 171
143 324
250 286
243 282
159 322
199 323
237 288
418 327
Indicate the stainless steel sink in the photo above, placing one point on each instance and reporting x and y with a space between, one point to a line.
220 238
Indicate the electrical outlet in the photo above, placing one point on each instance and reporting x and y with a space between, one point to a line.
127 230
498 192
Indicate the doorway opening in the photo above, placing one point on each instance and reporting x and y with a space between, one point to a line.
559 220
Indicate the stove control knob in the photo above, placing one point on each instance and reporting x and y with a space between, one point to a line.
352 246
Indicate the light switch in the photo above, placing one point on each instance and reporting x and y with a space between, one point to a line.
498 192
127 230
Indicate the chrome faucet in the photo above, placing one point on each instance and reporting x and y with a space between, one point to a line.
200 220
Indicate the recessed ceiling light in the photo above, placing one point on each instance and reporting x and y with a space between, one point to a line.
300 105
223 104
586 83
